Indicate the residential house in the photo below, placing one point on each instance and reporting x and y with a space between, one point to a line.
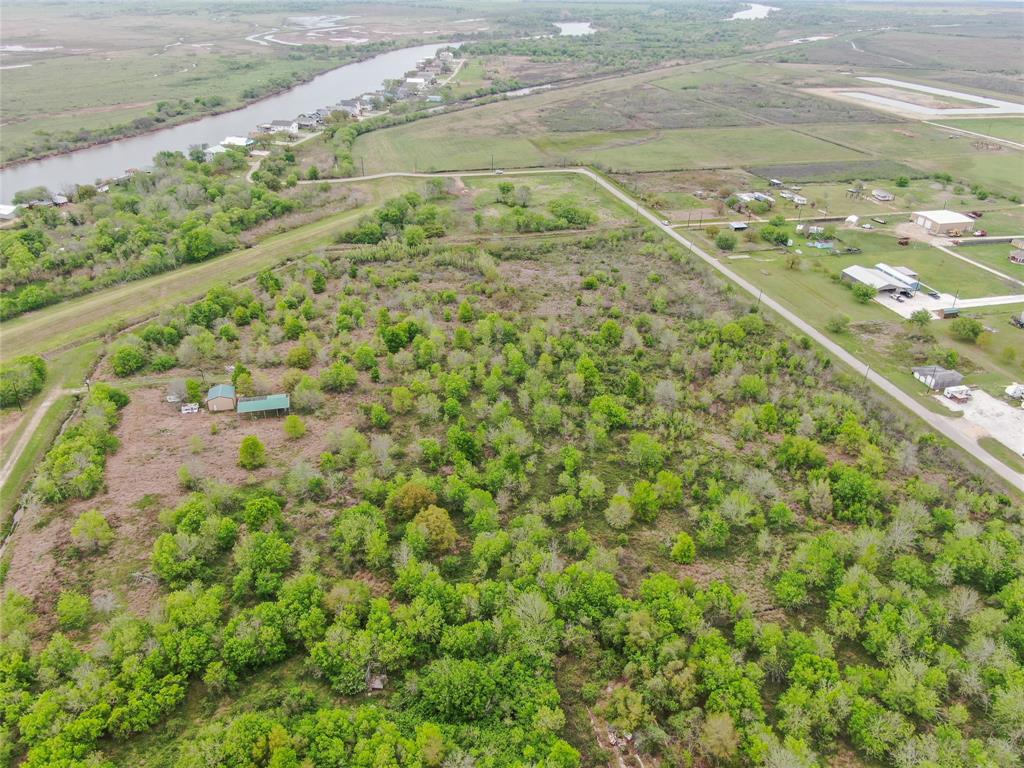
221 397
280 126
936 377
882 195
306 122
8 212
237 141
211 152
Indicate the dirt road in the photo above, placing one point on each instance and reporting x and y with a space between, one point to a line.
30 429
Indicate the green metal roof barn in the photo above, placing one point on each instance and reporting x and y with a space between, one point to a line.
268 405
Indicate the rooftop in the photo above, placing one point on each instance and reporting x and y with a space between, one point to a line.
221 390
945 217
266 403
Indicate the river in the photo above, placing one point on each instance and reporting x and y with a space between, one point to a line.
103 161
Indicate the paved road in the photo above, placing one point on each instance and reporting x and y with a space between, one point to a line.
934 420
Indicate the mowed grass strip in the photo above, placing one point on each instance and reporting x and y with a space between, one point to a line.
97 314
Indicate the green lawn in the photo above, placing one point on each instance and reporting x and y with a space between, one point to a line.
995 256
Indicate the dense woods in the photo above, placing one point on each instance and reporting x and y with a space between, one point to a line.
530 524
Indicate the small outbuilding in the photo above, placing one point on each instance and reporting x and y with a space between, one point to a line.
237 141
936 377
8 212
882 195
211 152
268 405
221 397
943 222
737 226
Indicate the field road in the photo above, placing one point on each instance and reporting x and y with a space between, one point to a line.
30 429
44 321
944 426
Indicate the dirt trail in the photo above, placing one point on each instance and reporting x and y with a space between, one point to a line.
30 429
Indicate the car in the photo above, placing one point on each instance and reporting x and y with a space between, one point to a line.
934 294
666 222
498 172
866 226
980 233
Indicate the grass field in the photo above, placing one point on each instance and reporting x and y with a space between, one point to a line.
1011 128
94 315
995 256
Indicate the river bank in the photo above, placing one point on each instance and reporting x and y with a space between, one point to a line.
107 159
131 133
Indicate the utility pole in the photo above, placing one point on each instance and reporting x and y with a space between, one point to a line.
362 165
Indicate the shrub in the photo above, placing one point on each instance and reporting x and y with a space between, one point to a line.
251 453
838 324
966 329
91 531
726 241
127 360
683 549
294 427
338 377
73 610
862 294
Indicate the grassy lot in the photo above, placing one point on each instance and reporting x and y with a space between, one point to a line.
1011 128
411 146
935 150
995 256
66 371
97 314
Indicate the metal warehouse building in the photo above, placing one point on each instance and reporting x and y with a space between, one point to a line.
943 222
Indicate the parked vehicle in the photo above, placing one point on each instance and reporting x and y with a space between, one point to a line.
878 220
903 241
980 233
975 214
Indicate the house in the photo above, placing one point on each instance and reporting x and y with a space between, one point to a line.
446 56
774 182
799 200
880 281
268 405
416 83
745 197
8 212
221 397
237 141
901 274
936 377
942 222
60 200
280 126
306 122
211 152
353 107
882 195
761 197
786 194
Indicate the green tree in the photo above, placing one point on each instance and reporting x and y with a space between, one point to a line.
862 294
725 241
966 329
436 526
683 549
251 453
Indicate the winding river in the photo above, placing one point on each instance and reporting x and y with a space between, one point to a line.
104 161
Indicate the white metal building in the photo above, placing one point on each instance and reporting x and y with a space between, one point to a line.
943 222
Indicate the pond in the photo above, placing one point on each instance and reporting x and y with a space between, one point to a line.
574 28
754 11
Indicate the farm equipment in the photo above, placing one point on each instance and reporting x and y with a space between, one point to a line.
878 220
903 241
1018 321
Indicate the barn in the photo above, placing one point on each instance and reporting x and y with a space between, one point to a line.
268 405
